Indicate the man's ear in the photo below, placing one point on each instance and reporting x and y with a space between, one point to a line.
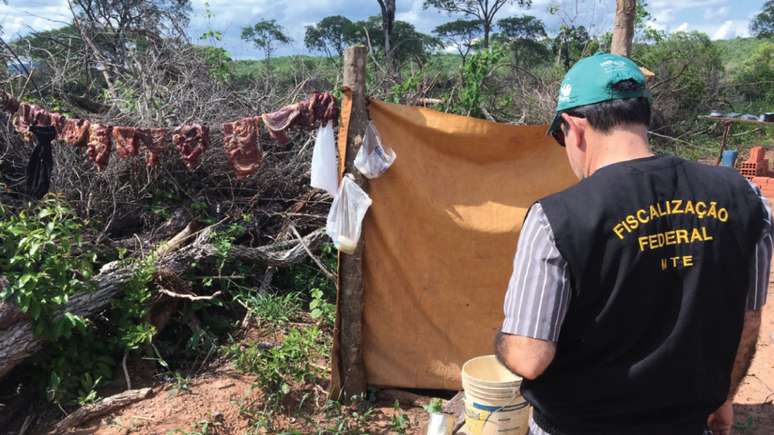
576 130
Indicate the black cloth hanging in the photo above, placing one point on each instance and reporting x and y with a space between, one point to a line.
41 161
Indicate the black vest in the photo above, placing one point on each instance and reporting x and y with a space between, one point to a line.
659 251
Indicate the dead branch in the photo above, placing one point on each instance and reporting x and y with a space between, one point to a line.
104 406
17 342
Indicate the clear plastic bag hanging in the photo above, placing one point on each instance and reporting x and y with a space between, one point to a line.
373 158
345 218
325 165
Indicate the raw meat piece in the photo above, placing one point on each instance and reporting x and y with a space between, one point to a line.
75 132
126 141
58 122
40 117
22 121
241 142
191 140
154 140
277 122
314 111
8 103
99 145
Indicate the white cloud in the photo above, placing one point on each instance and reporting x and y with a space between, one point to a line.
712 13
725 31
682 27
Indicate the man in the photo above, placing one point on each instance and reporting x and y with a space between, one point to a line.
634 304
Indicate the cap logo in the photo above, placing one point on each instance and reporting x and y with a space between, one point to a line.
613 65
564 92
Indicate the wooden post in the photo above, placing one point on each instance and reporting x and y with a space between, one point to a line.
353 379
623 28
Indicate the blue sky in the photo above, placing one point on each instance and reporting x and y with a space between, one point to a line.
720 19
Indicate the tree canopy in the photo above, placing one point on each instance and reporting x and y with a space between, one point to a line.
331 35
265 34
486 11
762 26
462 34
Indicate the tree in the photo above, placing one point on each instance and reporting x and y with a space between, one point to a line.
524 33
623 28
265 34
407 42
330 35
388 26
570 44
460 33
484 10
762 26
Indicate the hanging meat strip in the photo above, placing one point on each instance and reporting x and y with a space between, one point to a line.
40 117
191 141
58 122
126 141
277 122
153 141
99 145
314 111
8 103
75 132
241 142
22 121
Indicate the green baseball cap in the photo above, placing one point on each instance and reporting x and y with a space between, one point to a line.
591 81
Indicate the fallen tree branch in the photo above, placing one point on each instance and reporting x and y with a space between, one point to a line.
172 294
17 341
104 406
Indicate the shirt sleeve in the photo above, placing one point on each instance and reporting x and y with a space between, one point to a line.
539 289
760 268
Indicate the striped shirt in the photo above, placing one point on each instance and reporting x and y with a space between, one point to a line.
539 293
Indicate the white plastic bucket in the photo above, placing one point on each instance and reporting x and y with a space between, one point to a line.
493 403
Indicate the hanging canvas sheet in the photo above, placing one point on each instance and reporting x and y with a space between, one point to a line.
440 239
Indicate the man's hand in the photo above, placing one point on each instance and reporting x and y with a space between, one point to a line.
720 421
527 357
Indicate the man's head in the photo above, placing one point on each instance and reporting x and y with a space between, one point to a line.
602 96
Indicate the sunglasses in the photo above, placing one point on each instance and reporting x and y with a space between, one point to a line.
558 134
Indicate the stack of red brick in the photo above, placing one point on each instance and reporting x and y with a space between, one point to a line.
757 165
756 169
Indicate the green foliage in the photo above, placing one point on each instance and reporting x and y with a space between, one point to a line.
409 86
265 35
330 35
320 309
45 262
462 34
525 35
572 43
435 406
277 369
272 308
347 419
484 11
755 78
762 26
399 423
476 71
407 43
689 68
130 311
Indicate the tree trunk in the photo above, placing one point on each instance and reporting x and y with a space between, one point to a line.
623 28
388 22
352 369
17 342
487 30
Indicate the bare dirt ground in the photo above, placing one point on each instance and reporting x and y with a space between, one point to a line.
754 403
214 403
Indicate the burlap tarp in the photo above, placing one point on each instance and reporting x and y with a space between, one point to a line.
440 238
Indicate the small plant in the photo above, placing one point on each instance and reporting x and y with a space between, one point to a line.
272 308
400 422
435 406
320 309
347 419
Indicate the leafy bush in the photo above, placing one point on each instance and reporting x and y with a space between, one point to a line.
45 262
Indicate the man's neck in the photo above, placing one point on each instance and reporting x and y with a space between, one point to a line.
624 143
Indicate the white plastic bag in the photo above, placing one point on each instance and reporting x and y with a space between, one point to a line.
346 215
373 158
325 166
